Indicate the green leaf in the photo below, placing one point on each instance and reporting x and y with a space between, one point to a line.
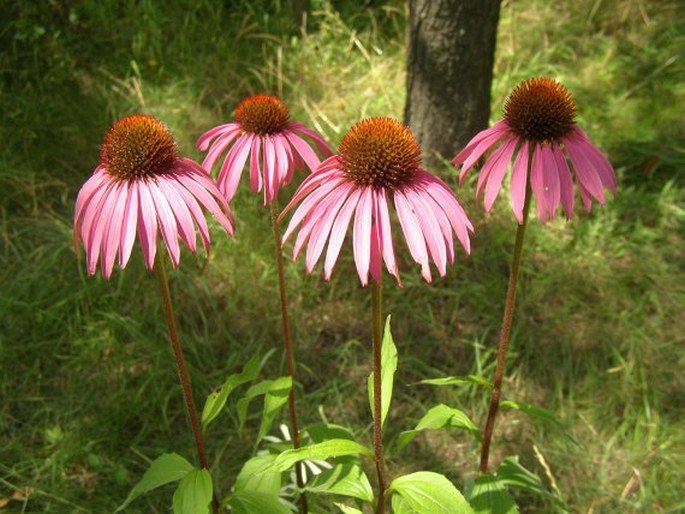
275 396
258 475
440 416
512 474
344 479
388 368
251 502
217 399
194 493
320 451
169 467
490 496
430 493
346 509
320 432
400 505
468 379
532 410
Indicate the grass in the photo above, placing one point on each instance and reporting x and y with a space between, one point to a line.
86 376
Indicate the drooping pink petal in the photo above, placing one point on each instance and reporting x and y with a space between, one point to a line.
412 233
498 128
361 237
453 210
184 220
565 182
322 230
232 168
585 197
91 192
197 214
585 172
375 267
550 180
606 172
325 200
519 181
202 188
468 158
326 171
147 224
338 231
269 169
383 220
112 234
167 222
128 225
255 166
430 229
223 142
304 150
494 171
443 222
537 182
321 144
204 140
97 230
281 164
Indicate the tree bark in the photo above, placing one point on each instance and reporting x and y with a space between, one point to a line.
451 51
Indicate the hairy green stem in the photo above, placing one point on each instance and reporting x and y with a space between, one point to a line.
507 319
376 298
182 368
289 355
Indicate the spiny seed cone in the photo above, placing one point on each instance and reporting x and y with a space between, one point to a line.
138 146
380 153
262 114
540 109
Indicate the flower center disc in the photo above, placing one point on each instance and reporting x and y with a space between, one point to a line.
138 146
262 114
540 109
380 153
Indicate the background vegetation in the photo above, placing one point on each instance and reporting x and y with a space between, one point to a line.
88 387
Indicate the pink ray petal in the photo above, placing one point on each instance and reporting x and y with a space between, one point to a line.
498 128
97 230
219 146
412 233
255 166
147 224
304 150
313 218
204 140
281 171
565 182
269 169
322 230
232 168
112 235
197 214
324 173
321 144
500 160
599 161
585 172
443 222
89 191
430 228
167 222
202 188
550 180
478 150
128 225
375 258
385 232
537 184
184 220
338 231
361 237
519 181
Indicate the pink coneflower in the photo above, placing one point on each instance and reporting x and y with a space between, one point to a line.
539 121
263 131
140 183
378 162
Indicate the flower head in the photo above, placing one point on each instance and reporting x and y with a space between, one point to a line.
142 183
378 165
262 131
539 122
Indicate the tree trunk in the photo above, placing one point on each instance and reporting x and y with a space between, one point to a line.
449 72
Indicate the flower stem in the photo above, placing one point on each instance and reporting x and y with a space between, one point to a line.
376 298
507 319
289 357
182 369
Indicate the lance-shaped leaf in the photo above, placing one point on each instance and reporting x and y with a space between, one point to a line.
440 416
275 396
457 380
344 479
259 475
320 451
252 502
430 493
490 496
194 493
388 368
